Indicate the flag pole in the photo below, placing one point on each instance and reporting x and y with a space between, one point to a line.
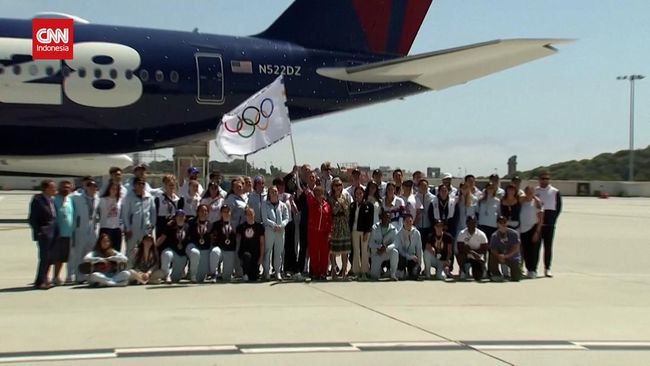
293 148
245 165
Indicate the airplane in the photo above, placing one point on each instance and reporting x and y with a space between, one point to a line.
134 89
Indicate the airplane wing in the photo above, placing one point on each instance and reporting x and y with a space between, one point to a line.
442 69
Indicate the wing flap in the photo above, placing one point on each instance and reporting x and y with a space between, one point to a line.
442 69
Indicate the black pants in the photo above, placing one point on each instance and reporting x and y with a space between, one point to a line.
302 253
161 222
515 270
44 246
488 231
530 250
115 235
250 265
412 267
424 234
290 257
547 238
477 268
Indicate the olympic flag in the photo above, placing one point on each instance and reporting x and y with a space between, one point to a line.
257 123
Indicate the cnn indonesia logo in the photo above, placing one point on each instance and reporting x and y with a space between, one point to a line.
52 39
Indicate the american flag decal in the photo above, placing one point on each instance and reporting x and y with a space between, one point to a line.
241 67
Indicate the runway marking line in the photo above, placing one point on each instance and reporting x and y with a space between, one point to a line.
278 348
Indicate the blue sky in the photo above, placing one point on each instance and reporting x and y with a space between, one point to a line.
567 106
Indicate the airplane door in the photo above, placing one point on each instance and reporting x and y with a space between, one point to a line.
209 68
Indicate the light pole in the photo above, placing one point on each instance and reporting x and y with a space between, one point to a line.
632 79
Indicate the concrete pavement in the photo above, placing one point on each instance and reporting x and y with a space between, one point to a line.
599 293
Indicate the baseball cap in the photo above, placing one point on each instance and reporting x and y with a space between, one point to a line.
180 213
438 221
193 170
447 176
140 166
502 220
377 171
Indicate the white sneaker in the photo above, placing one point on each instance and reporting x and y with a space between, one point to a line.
532 274
548 273
245 278
168 280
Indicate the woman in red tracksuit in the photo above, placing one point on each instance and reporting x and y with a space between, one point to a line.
318 232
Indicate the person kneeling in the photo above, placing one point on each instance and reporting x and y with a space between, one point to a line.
382 247
175 251
106 265
250 236
472 247
504 251
410 249
438 251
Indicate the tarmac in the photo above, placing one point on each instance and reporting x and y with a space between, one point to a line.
595 311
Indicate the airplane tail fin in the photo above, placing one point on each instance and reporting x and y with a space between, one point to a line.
377 26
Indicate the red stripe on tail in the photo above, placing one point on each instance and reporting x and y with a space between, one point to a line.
416 10
374 17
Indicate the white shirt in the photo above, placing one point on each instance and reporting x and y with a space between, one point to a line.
191 204
528 215
548 196
109 213
396 209
410 205
349 191
183 190
214 207
472 241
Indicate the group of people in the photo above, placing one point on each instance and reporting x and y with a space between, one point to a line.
303 225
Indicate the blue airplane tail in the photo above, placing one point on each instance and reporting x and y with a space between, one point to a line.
367 26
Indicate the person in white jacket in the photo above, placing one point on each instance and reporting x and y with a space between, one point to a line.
275 217
85 233
106 265
138 216
382 246
409 244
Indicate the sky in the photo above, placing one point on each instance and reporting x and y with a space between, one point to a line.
563 107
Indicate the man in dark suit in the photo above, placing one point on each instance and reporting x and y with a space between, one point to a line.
42 219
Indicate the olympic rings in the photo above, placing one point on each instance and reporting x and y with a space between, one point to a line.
251 117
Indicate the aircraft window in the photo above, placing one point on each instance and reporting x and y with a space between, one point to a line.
113 74
160 76
173 76
49 71
144 75
33 70
128 74
98 73
82 72
16 69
